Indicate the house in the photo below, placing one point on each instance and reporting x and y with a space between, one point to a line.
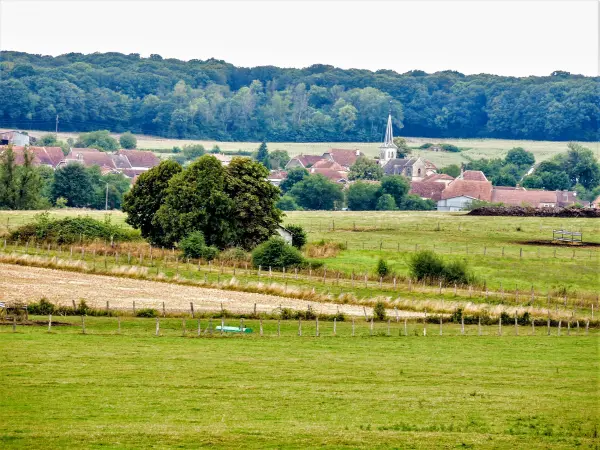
286 234
91 157
276 177
328 164
460 193
415 168
343 157
14 137
42 156
427 189
224 159
472 175
140 159
337 176
443 178
304 161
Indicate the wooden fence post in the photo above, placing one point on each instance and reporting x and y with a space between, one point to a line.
500 325
462 324
533 327
317 324
192 309
83 324
548 324
559 327
107 307
14 324
587 326
118 324
278 327
134 307
479 326
261 326
405 327
388 327
335 326
397 316
516 325
164 310
299 326
441 331
183 330
222 325
568 328
371 327
49 322
157 331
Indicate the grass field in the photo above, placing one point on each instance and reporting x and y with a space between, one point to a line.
64 389
498 249
474 148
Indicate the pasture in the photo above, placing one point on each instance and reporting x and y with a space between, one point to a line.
473 148
503 252
137 390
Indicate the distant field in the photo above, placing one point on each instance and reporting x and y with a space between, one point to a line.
65 390
477 148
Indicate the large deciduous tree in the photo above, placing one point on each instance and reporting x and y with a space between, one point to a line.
145 198
365 169
317 192
73 183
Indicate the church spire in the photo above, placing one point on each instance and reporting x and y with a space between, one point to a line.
389 134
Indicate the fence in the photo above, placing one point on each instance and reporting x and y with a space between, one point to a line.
166 264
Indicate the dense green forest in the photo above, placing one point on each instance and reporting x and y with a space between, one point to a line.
215 100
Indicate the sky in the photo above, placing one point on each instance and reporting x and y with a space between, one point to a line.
516 38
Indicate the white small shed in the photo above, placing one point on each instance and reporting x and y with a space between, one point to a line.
285 234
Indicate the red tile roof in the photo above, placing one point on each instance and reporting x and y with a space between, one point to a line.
277 175
140 158
333 175
344 157
427 189
307 160
90 158
42 156
473 175
519 197
327 164
438 177
481 190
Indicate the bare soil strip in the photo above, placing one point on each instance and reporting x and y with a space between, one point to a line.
29 284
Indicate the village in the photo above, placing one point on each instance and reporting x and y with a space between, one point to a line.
449 193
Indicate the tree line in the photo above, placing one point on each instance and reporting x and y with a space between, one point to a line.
215 100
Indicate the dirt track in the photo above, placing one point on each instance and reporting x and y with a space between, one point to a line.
62 287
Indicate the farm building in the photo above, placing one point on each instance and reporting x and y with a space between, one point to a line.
276 177
343 157
14 138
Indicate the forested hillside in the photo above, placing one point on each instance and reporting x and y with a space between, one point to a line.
215 100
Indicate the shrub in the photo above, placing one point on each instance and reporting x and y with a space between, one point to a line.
128 140
276 253
71 230
299 236
382 268
288 203
379 311
194 246
324 249
234 254
61 202
146 312
450 148
426 145
426 265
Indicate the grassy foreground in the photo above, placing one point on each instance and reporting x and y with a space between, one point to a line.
64 389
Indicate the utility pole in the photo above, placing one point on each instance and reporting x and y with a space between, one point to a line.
106 200
56 128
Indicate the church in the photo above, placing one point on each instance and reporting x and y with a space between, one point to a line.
415 168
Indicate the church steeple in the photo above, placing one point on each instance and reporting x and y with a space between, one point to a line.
388 150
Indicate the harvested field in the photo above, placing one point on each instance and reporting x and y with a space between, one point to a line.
27 284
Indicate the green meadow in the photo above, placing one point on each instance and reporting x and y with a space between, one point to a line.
135 390
513 251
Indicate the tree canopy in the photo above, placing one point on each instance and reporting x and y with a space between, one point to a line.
232 206
213 99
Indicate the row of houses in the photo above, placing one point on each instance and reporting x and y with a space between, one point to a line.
456 194
130 163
